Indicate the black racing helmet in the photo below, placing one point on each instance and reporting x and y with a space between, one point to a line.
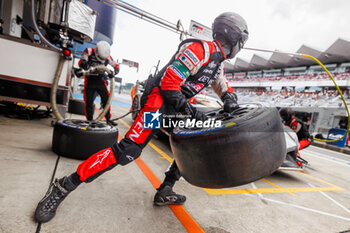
286 114
231 30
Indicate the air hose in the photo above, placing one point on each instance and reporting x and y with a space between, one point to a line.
118 118
37 30
59 72
59 66
54 87
342 97
330 76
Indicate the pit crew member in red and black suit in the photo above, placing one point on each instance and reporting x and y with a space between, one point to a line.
195 65
97 83
298 127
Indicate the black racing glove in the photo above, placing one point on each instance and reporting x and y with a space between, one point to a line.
116 71
230 101
84 64
78 72
178 101
194 112
111 74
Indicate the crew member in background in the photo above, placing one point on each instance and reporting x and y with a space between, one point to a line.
196 65
308 122
298 127
343 124
97 82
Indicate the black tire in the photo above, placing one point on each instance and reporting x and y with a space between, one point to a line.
77 106
135 107
79 139
250 145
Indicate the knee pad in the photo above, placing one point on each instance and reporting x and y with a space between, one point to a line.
96 164
126 151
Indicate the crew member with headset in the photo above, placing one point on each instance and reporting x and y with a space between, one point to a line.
97 82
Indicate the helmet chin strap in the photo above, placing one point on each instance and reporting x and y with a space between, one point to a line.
233 51
226 48
227 51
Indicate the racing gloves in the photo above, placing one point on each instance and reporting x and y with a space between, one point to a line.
78 72
194 112
180 104
111 74
84 64
230 101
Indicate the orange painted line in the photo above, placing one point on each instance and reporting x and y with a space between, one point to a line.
148 173
179 211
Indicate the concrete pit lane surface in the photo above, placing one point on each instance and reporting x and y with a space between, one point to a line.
121 200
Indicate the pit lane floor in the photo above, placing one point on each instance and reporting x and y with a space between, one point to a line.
316 200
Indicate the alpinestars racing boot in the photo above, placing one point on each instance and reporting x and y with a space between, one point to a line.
166 196
47 207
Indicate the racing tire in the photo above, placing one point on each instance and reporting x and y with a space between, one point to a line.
79 139
135 106
77 106
248 146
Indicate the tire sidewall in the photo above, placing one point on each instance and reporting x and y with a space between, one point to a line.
241 151
78 142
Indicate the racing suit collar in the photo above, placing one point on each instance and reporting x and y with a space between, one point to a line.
219 45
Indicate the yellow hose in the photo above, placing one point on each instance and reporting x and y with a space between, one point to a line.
329 74
342 97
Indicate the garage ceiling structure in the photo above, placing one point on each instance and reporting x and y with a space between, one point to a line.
338 52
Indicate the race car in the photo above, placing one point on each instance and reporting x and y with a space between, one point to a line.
293 159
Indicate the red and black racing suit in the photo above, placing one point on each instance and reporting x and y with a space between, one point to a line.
196 65
303 134
300 129
95 83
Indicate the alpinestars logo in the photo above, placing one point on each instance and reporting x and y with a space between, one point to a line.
100 158
129 157
212 65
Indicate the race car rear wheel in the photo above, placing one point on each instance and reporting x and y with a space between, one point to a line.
80 139
135 107
249 145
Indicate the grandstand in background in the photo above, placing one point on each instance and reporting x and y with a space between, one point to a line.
297 83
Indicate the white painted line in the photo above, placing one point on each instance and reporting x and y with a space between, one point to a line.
254 187
334 201
328 158
329 153
326 150
308 209
303 208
